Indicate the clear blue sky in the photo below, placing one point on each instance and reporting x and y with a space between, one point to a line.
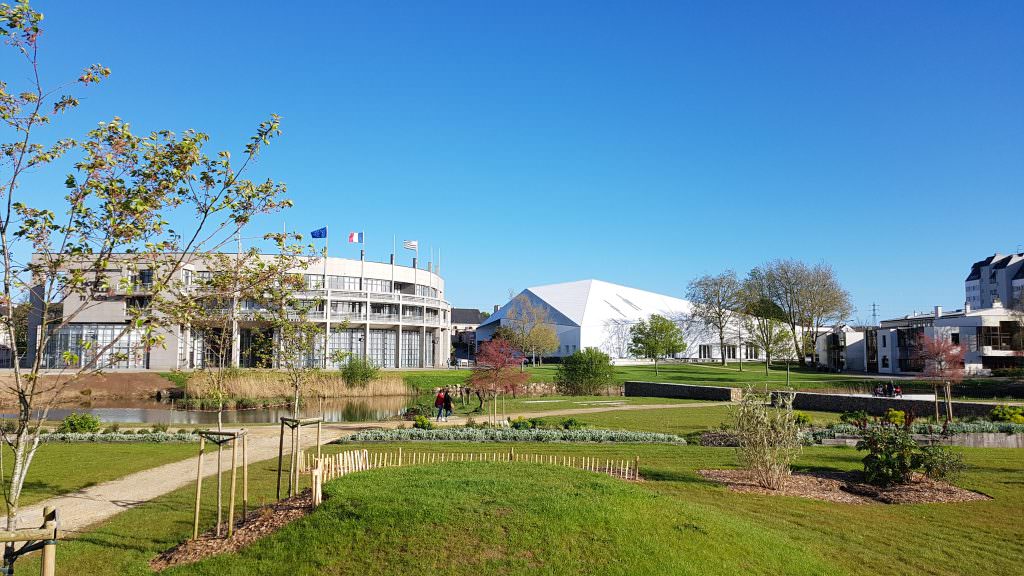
639 143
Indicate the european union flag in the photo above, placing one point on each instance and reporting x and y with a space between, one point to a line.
321 233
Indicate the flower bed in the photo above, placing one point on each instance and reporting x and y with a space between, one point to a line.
512 435
979 426
158 437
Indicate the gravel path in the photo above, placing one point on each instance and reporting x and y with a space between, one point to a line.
81 509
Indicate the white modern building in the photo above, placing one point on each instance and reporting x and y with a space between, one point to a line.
395 316
990 339
996 279
597 314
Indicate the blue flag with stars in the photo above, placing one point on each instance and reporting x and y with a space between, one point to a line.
321 233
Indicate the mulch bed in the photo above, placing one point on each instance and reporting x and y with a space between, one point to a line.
848 488
259 523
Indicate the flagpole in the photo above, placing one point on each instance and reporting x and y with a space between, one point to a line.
327 294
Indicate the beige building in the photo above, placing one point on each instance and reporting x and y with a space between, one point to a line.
395 316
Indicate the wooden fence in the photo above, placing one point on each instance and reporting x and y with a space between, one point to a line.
330 466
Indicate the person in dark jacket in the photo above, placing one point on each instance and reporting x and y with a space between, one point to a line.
447 404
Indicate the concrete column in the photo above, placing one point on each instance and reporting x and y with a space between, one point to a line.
398 343
236 344
423 342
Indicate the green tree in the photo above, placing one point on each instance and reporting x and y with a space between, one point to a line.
584 372
117 207
655 338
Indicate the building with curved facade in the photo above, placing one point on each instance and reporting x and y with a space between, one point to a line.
395 316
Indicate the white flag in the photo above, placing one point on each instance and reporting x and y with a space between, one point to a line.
411 244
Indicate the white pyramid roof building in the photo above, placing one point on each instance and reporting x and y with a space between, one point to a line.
595 314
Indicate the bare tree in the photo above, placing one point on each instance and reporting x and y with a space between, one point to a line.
113 239
617 336
763 319
715 301
943 365
809 296
531 328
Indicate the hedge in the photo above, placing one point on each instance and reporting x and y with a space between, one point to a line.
511 435
158 437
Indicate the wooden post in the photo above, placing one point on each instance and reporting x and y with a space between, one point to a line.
297 452
48 561
231 498
399 455
280 460
318 439
636 467
245 477
199 487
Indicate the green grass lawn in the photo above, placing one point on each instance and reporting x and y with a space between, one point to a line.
548 403
61 468
681 422
523 518
707 374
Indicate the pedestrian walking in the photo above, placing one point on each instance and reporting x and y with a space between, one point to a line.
439 403
447 404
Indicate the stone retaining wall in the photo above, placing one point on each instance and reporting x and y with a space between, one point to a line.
663 390
876 406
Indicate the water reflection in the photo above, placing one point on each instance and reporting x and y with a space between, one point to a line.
153 412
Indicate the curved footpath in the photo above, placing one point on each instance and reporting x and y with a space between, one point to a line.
81 509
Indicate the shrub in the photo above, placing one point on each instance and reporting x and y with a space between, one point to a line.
358 372
895 417
1014 414
858 418
585 372
160 427
520 423
419 409
454 434
718 438
769 439
79 423
891 455
423 423
939 462
572 424
801 419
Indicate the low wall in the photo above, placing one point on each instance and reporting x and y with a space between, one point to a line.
877 406
974 440
664 390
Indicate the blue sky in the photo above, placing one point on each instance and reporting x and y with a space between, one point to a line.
639 143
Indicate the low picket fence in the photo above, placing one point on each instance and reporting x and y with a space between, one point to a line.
330 466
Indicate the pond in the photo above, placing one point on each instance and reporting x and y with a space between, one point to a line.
153 412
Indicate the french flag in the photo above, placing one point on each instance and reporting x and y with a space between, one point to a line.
355 237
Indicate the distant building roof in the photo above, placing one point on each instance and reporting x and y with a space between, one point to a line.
467 316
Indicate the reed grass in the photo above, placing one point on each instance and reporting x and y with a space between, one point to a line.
240 383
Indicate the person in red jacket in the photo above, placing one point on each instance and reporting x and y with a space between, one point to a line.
439 403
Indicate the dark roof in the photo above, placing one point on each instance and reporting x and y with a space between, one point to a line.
467 316
1002 262
975 272
1020 274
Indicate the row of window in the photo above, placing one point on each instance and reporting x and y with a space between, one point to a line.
750 351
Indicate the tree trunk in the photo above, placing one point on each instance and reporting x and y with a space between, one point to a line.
949 402
767 362
655 365
935 390
721 346
797 348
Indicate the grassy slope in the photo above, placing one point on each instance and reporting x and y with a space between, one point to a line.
70 467
514 520
680 422
508 519
709 374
